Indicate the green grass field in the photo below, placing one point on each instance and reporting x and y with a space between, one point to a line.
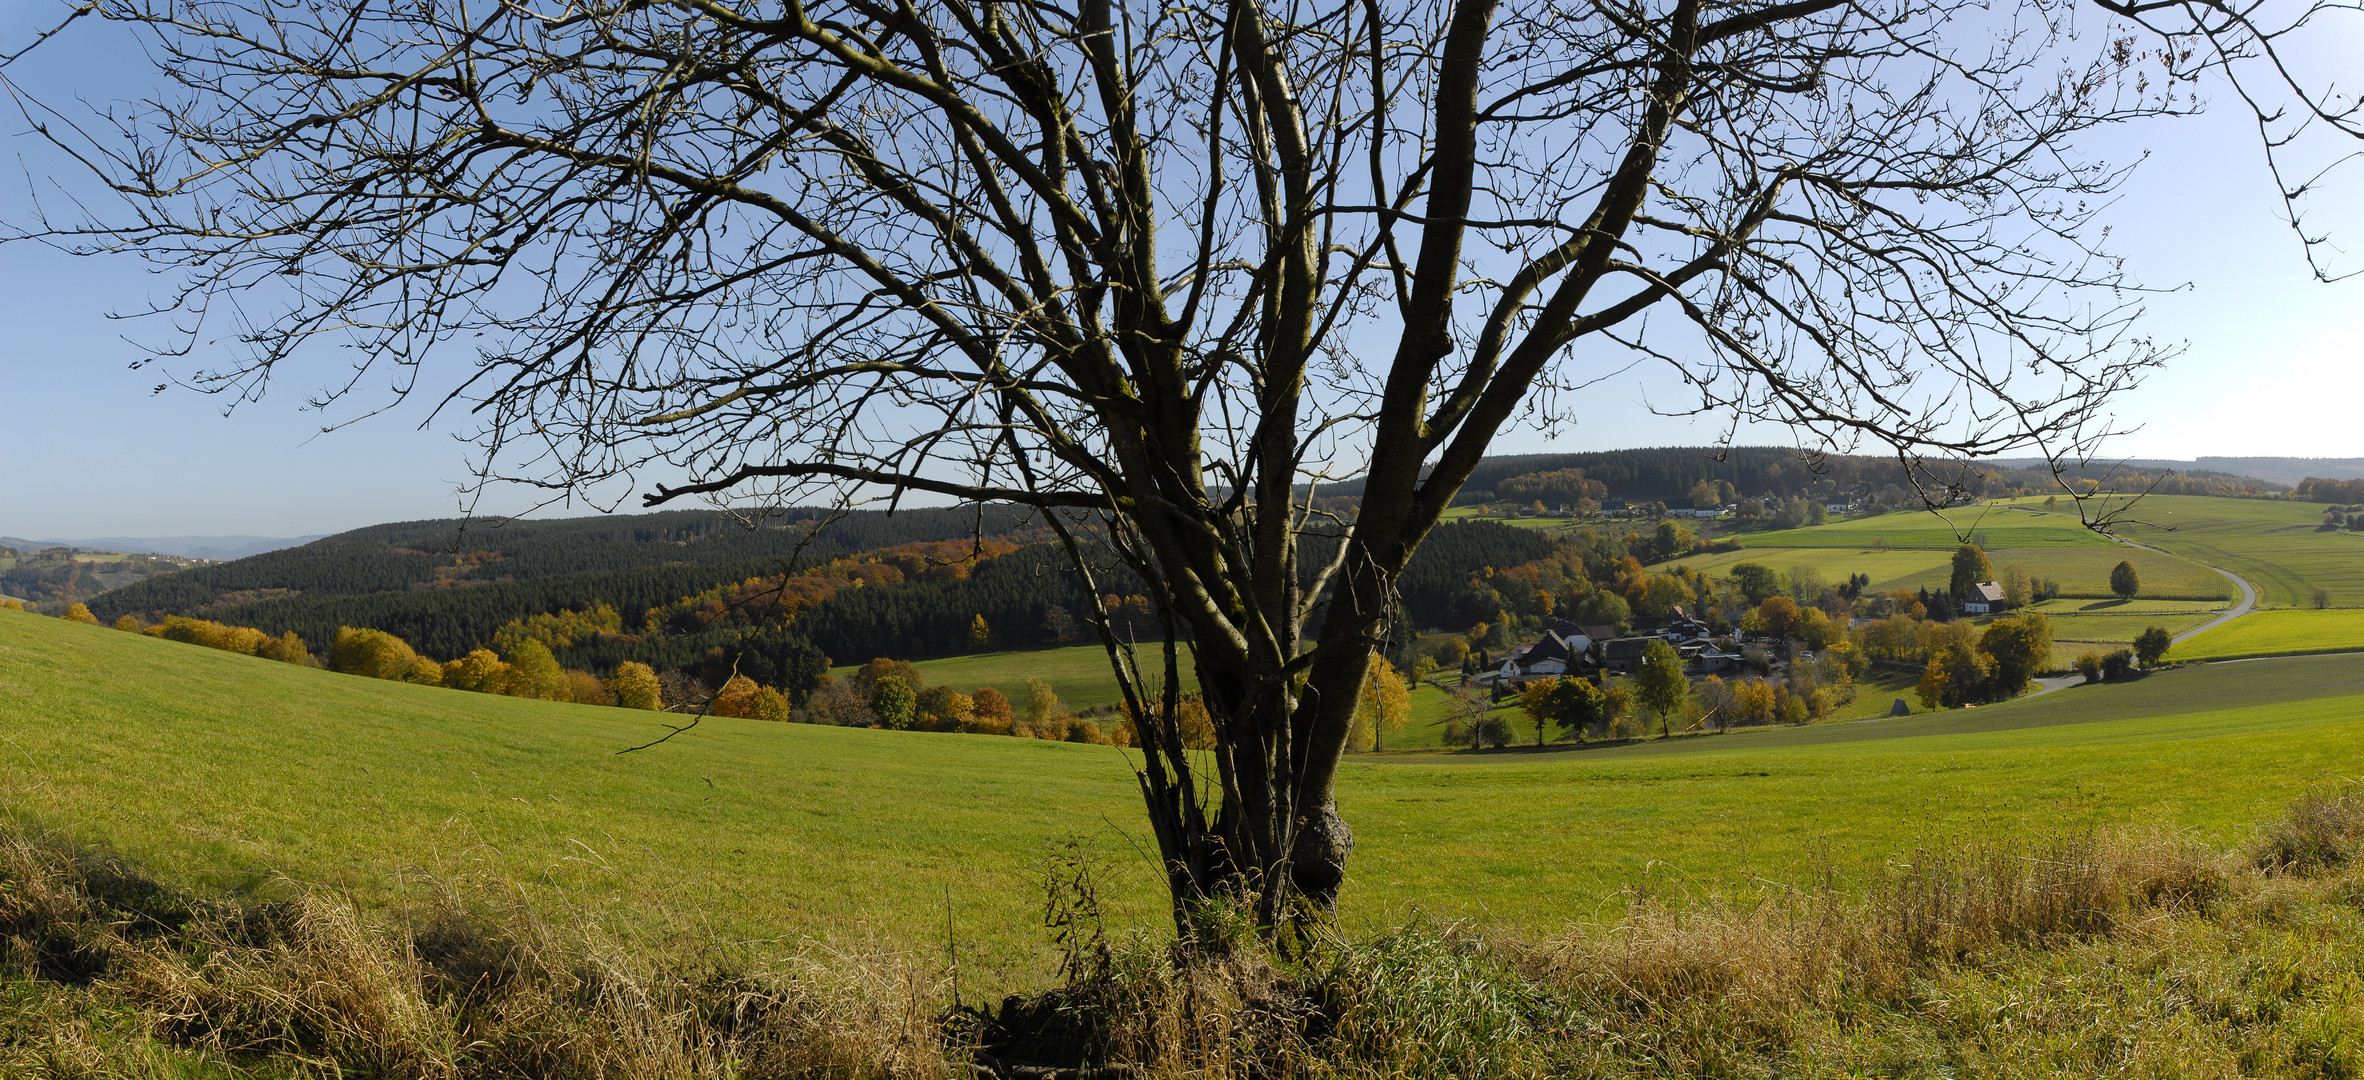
2119 628
1926 529
1887 569
1469 513
2278 633
219 768
2113 606
1080 673
2272 544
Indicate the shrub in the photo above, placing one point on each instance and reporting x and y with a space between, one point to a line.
941 708
771 706
479 672
130 624
372 654
867 676
2150 646
840 704
990 711
2117 665
1042 703
636 686
287 648
423 671
894 701
2089 665
584 688
736 698
212 635
534 672
80 612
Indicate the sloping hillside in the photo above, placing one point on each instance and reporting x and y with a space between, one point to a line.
213 765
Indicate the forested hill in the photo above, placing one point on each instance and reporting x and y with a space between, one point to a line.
414 556
709 580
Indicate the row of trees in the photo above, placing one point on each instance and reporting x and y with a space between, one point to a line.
245 640
2322 490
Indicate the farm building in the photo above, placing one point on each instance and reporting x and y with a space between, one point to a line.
1560 650
1984 598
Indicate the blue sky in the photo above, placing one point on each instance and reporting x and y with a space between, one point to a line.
2275 361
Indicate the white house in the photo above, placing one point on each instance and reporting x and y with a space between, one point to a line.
1558 651
1984 598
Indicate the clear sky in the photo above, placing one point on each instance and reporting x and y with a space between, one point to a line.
2275 363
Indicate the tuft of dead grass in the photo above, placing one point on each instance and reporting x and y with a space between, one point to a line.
446 995
1765 963
2323 830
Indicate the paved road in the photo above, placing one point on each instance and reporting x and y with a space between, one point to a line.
2248 599
2247 604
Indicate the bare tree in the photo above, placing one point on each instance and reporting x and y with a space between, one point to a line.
1161 271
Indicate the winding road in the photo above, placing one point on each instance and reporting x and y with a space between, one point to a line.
2247 604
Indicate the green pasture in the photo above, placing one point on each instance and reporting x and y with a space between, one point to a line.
228 769
2273 544
2076 634
1079 673
2120 629
2278 633
1929 529
1469 513
2086 605
1887 569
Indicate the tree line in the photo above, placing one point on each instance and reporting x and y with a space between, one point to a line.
2322 490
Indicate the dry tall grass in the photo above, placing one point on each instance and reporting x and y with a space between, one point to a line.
2133 954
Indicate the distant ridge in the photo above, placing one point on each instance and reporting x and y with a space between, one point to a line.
219 548
2279 470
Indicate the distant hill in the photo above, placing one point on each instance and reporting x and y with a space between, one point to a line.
447 587
60 573
216 548
2287 471
447 584
1668 473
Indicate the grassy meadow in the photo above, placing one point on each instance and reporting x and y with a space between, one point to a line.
232 771
1469 513
1931 529
2278 633
2273 544
1079 673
